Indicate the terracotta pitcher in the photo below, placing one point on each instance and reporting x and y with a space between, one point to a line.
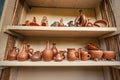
47 53
59 56
23 55
71 54
85 56
54 49
12 55
36 56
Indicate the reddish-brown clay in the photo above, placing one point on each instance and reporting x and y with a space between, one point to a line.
23 55
110 55
96 54
47 54
71 54
92 46
44 21
61 24
36 56
60 56
54 49
85 56
12 55
100 23
33 23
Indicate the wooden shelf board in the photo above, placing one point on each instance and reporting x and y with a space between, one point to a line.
62 63
61 31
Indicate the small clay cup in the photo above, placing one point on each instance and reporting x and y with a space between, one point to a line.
110 55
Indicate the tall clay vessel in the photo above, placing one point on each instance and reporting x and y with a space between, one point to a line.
12 55
54 49
23 55
47 53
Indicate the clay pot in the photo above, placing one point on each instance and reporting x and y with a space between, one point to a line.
12 55
92 46
33 23
54 49
100 23
95 54
89 24
27 23
36 56
71 54
61 24
85 56
44 21
59 56
109 55
23 55
47 54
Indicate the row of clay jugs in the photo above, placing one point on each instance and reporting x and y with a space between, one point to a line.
72 54
35 56
24 54
12 54
47 53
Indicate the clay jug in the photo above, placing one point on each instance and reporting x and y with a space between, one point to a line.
85 56
36 56
47 53
54 49
12 55
33 23
109 55
44 21
61 24
23 55
60 56
71 54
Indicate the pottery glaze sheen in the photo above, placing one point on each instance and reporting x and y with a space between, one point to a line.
47 54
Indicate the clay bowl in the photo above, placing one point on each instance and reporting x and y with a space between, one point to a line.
91 46
109 55
100 23
95 54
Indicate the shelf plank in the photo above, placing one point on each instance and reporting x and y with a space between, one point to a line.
62 63
61 31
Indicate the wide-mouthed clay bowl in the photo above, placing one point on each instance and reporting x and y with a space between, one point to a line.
100 23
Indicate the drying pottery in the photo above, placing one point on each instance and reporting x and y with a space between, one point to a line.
33 23
61 24
12 55
109 55
71 54
47 54
54 49
44 21
100 23
36 56
59 56
23 55
92 46
96 54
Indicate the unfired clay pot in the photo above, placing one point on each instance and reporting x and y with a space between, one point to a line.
23 55
36 56
71 54
92 46
47 54
96 54
12 55
54 49
110 55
